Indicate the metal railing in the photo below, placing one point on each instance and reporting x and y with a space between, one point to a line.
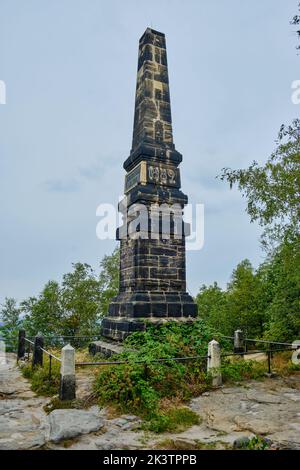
28 347
151 361
50 361
37 349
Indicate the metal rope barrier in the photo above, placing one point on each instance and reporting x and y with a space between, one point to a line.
50 354
103 363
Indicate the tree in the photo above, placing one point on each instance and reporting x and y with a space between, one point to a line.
45 313
10 315
109 279
213 308
243 300
239 306
80 297
75 306
273 190
280 277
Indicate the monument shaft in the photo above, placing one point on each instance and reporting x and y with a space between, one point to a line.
152 261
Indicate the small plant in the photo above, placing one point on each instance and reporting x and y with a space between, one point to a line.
172 420
257 443
239 370
57 404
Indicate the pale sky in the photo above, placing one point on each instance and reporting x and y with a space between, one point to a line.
70 72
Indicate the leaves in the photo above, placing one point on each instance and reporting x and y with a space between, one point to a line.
273 190
76 306
10 315
264 303
137 387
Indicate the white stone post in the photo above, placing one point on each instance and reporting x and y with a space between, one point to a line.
67 390
214 363
238 343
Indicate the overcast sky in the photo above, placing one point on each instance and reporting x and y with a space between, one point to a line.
65 131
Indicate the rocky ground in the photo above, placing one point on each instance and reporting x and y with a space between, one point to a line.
269 408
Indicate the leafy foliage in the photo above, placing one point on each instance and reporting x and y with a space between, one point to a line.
237 307
10 315
173 420
238 370
264 303
139 387
75 306
273 190
109 279
39 377
257 443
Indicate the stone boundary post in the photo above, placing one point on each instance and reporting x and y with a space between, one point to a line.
238 343
214 362
67 389
21 344
37 355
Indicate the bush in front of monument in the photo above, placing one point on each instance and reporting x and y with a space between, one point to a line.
153 390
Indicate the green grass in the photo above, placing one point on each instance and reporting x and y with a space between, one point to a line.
57 404
172 420
39 377
239 370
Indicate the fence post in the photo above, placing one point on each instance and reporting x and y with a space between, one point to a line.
37 355
21 344
67 389
238 345
214 363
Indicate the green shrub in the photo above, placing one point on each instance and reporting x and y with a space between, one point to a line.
138 388
39 377
241 370
173 420
257 443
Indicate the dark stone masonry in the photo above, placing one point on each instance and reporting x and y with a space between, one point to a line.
152 263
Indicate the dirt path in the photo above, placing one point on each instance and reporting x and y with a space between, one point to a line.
270 408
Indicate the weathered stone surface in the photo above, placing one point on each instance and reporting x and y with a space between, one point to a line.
105 348
268 408
265 408
23 423
241 442
67 424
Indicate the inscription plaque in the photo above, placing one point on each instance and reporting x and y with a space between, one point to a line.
155 173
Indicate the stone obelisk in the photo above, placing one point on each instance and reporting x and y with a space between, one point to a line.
152 263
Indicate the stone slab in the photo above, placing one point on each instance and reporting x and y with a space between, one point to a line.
105 348
67 424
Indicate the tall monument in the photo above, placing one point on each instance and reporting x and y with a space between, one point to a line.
152 262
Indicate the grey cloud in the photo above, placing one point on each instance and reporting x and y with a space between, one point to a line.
62 186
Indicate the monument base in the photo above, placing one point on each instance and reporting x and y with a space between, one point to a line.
131 312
